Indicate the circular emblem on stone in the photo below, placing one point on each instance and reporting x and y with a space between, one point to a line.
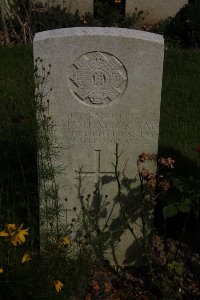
98 78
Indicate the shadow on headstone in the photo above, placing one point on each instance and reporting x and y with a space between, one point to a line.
111 219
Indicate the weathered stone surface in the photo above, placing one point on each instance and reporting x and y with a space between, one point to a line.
155 10
106 90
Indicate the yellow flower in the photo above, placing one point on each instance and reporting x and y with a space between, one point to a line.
26 257
58 285
1 270
65 241
11 227
4 233
18 236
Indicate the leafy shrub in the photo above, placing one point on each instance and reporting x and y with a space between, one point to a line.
105 14
53 18
183 29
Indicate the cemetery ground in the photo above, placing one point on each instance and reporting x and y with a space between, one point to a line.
175 266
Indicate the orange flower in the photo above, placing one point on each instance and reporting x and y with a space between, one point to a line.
143 157
58 285
164 184
146 156
144 172
95 285
151 181
169 162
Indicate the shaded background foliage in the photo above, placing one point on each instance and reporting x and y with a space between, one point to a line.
25 19
183 30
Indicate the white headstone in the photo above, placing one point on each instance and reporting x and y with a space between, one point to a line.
106 90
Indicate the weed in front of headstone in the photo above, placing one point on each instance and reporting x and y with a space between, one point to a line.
47 150
62 265
75 261
93 219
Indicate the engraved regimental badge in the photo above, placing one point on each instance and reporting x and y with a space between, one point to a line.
98 78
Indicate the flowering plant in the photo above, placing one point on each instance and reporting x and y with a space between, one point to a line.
15 235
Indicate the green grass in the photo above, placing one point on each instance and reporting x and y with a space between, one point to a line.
18 175
180 109
16 91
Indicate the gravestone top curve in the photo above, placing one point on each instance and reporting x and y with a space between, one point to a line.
98 31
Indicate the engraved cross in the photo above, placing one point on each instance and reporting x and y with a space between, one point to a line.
97 172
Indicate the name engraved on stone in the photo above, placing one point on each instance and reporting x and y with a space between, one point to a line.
98 78
88 128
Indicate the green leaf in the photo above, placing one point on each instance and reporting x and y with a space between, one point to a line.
169 211
187 201
175 266
179 185
184 207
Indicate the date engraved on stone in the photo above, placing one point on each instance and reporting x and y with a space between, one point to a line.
98 78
